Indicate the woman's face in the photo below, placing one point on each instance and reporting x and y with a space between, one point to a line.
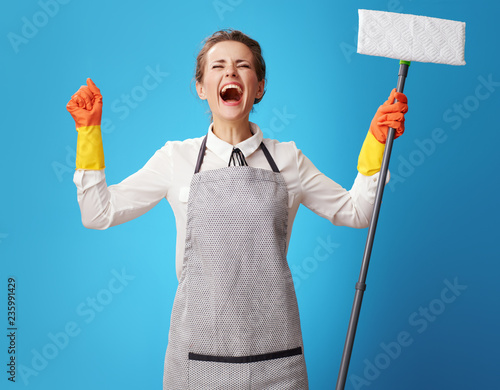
229 82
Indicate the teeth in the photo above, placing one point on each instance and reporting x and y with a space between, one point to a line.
240 91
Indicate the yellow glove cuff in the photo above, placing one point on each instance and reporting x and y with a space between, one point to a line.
370 157
89 151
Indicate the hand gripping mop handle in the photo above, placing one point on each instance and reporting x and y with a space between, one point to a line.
360 285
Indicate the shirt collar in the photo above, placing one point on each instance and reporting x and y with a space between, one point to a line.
223 149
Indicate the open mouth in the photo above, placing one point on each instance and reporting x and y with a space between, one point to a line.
231 94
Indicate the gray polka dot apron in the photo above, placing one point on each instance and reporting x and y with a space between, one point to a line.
235 321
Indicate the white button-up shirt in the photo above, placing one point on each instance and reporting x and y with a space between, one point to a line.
169 172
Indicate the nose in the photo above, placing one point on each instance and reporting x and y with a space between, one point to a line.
231 71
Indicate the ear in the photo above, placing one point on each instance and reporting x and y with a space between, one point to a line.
260 89
201 91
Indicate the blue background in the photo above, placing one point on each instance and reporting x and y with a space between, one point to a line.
438 224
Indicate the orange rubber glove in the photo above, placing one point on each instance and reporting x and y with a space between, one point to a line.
389 114
85 107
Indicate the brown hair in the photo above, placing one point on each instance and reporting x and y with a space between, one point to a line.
232 35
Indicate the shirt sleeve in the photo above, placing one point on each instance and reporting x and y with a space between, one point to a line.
330 200
102 206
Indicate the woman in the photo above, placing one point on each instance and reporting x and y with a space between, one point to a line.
235 322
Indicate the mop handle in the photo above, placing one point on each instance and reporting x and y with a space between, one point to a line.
360 285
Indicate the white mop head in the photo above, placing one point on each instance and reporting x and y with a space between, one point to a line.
411 37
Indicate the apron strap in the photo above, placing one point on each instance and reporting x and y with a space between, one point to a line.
270 160
201 154
203 146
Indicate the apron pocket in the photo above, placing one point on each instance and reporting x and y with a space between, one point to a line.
206 375
248 372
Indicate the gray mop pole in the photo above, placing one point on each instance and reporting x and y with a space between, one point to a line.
360 285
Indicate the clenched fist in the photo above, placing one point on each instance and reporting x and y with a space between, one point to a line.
85 105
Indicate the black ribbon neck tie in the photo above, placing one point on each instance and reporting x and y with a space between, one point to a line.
237 158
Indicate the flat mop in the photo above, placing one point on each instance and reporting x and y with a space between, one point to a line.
407 38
